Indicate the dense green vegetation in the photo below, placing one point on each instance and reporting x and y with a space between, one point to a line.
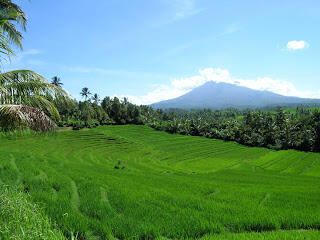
132 182
92 114
276 128
279 129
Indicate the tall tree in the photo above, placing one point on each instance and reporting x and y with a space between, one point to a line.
116 108
106 105
316 122
56 81
85 93
95 98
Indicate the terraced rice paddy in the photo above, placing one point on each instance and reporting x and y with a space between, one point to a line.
132 182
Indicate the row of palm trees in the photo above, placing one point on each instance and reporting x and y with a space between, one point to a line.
24 94
86 94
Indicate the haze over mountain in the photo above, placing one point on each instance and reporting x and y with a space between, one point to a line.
224 95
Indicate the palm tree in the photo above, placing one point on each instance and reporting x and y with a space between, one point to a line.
24 101
85 93
95 98
23 94
10 14
56 81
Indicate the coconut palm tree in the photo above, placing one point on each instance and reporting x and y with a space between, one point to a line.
24 101
95 98
23 94
85 93
56 81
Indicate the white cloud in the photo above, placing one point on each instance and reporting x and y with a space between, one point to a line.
161 92
114 72
231 29
20 56
91 70
35 62
177 10
185 8
181 86
297 45
31 52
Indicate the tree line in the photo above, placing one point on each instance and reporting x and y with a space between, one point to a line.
278 129
93 111
275 129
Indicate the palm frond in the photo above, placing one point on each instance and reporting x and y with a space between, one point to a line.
21 84
23 91
20 116
11 15
17 76
11 11
44 105
5 48
13 35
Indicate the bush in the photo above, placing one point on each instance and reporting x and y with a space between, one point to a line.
92 123
77 125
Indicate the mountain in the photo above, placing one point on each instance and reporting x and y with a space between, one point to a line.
224 95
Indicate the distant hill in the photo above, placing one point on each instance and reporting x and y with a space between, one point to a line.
224 95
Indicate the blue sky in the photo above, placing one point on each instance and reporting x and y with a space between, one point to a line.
152 50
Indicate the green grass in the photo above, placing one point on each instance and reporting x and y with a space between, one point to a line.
22 220
283 235
132 182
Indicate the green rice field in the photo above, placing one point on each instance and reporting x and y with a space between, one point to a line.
132 182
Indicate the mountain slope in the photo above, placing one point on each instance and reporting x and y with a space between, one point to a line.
224 95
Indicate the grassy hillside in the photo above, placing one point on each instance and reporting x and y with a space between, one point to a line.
22 220
132 182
